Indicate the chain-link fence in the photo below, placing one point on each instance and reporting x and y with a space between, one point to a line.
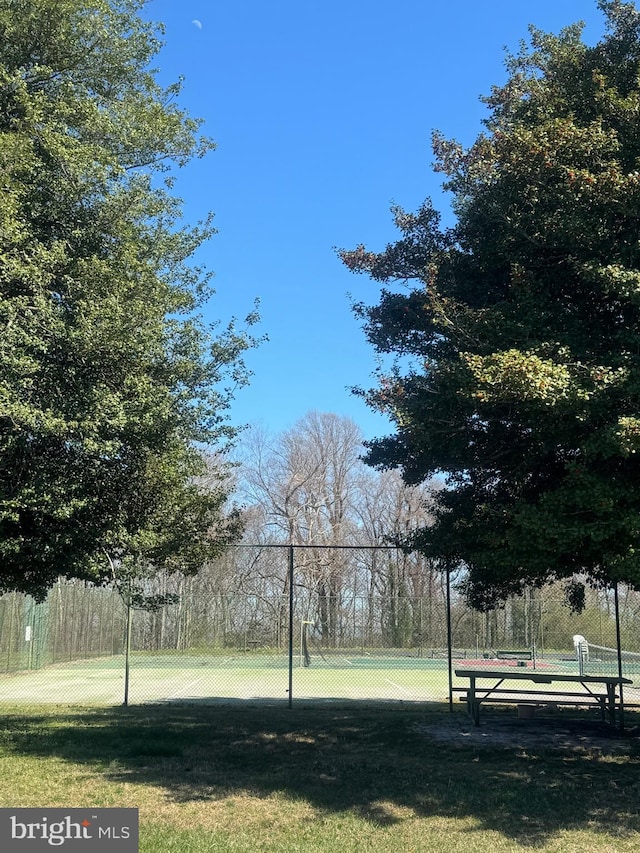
304 623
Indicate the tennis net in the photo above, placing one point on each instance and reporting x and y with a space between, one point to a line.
603 660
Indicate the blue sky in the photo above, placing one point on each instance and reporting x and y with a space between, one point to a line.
322 113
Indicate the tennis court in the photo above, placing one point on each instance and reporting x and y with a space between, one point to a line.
210 648
203 677
212 678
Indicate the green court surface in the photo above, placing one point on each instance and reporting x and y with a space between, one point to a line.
201 678
250 676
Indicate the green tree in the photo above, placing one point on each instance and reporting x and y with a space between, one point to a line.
110 382
521 327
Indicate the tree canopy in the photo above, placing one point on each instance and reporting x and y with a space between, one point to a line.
520 324
110 383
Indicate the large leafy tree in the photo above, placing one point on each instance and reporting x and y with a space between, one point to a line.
520 325
110 383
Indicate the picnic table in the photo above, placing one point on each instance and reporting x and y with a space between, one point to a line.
608 698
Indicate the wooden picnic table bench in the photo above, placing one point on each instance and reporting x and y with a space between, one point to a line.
609 699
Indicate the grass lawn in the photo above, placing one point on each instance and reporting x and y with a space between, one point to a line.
354 778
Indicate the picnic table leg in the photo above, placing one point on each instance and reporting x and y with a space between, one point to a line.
611 691
611 703
603 701
473 703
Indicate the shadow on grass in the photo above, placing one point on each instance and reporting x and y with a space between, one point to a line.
359 758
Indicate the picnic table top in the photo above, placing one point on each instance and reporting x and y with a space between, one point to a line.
540 677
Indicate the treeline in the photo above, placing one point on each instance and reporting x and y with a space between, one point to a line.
309 487
353 587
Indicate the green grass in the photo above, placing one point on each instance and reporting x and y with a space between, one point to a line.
354 778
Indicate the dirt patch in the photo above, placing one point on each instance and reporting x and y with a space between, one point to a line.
506 730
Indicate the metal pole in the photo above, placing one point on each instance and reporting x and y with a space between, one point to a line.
619 645
449 641
29 636
291 626
127 652
9 644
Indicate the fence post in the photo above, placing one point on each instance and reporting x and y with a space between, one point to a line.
291 625
29 634
619 645
10 643
127 652
449 639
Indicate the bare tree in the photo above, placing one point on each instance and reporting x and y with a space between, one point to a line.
314 490
404 592
305 480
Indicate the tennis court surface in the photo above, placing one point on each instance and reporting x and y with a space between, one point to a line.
213 678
